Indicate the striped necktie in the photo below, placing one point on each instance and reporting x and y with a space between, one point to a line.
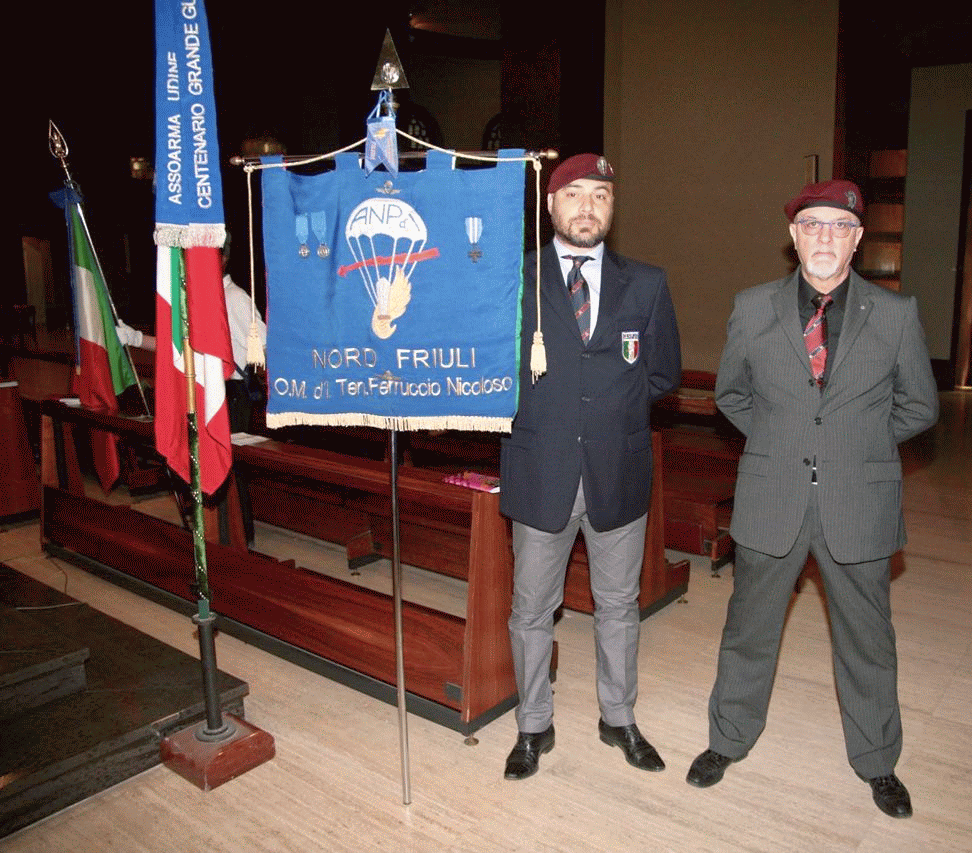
580 295
815 337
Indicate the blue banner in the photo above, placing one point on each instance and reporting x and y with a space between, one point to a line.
189 190
393 300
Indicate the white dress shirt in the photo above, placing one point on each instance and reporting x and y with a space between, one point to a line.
591 271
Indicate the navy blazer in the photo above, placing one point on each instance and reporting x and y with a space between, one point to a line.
588 416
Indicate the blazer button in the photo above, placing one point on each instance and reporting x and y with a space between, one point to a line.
812 382
818 421
806 461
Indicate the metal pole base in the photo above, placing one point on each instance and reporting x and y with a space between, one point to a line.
208 764
207 735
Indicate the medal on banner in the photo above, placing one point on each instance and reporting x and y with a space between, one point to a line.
319 226
474 230
302 231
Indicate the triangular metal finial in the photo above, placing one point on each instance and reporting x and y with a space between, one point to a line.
389 74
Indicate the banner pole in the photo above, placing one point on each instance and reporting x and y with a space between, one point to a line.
217 750
399 639
216 729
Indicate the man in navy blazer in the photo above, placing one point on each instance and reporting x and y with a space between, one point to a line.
579 455
820 474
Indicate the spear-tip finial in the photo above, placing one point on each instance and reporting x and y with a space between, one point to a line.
56 142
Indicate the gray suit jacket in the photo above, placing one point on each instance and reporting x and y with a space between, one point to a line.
881 391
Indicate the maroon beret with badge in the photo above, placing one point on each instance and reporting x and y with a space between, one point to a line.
592 166
841 194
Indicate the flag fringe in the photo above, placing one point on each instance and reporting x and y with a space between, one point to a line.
190 236
459 422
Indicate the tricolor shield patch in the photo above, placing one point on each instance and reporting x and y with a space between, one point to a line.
629 346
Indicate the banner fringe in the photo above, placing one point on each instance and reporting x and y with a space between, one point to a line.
190 236
403 424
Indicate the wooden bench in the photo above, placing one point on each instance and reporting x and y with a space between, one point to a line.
19 486
701 451
48 374
700 481
458 668
312 491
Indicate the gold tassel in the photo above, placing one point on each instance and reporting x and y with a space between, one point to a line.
538 356
254 347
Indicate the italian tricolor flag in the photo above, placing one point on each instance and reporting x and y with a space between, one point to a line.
212 362
102 370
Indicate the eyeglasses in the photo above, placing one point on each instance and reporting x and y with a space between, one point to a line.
839 228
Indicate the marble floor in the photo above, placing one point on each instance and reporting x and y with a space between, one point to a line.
87 699
336 781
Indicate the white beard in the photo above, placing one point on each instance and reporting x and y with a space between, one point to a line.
823 267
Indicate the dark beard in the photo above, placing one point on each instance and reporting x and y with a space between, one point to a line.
585 240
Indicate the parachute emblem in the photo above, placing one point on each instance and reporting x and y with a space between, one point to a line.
387 238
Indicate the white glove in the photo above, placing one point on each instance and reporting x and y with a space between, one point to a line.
127 335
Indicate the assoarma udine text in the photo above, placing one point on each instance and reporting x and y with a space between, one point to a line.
197 115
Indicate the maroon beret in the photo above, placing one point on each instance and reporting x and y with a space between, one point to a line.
842 194
592 166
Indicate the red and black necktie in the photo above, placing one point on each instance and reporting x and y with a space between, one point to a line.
580 295
815 337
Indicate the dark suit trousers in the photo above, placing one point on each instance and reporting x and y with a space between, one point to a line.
865 661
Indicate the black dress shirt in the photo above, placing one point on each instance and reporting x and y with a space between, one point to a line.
834 315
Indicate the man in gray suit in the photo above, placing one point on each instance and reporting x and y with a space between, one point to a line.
579 455
825 374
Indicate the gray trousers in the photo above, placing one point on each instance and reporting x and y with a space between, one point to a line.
864 656
540 565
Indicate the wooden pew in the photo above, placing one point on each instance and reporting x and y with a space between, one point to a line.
48 374
19 486
317 492
458 670
701 452
700 482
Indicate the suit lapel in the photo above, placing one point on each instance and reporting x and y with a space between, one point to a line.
856 311
554 289
613 280
788 314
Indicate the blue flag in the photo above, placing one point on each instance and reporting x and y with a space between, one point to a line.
189 231
401 309
189 189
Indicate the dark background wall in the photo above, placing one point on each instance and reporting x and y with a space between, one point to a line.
612 78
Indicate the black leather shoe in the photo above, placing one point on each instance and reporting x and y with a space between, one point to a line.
708 769
891 796
525 757
637 751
